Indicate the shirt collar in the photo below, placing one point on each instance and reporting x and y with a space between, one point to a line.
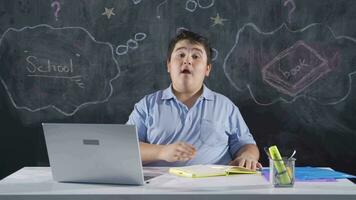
207 93
168 93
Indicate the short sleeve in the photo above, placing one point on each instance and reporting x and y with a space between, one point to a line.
138 117
240 134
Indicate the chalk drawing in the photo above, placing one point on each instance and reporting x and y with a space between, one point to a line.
292 3
59 71
180 29
218 20
215 54
285 81
290 72
191 5
57 7
209 3
158 8
130 44
140 36
62 71
108 12
136 1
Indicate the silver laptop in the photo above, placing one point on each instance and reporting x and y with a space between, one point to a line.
94 153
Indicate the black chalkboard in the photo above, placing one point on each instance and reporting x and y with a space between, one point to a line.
288 65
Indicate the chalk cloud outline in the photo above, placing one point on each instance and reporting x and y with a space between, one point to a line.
284 27
78 107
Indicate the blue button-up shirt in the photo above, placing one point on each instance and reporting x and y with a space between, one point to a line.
213 125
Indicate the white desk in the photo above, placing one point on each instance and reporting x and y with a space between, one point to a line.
36 183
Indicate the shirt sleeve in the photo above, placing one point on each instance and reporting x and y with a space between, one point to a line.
138 118
240 134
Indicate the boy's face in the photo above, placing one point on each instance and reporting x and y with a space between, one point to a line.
188 66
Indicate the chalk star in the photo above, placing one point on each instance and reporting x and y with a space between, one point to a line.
218 20
108 12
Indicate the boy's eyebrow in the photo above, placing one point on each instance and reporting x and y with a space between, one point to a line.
180 48
197 49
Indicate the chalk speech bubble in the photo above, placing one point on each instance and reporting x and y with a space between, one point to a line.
61 68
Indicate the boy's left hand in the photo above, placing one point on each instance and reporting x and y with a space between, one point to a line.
246 161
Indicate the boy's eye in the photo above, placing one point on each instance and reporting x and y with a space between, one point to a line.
181 55
195 56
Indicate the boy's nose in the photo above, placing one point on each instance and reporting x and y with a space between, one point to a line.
187 61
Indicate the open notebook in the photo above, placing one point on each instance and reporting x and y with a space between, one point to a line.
200 171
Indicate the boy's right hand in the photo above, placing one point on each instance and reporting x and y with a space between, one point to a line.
179 151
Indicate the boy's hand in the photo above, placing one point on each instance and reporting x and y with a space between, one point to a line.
246 161
177 152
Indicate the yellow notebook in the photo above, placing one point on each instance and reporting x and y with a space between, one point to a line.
200 171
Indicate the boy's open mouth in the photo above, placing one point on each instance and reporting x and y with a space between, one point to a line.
186 71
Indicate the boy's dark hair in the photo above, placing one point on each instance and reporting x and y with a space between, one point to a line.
192 37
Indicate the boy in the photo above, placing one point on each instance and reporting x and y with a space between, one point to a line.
187 123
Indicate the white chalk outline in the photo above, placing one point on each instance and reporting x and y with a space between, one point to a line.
208 6
53 106
215 54
196 4
140 36
286 2
284 25
131 44
158 7
299 86
53 4
179 29
121 46
108 12
191 1
136 1
218 20
76 79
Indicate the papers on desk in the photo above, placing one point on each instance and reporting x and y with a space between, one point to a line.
314 174
200 171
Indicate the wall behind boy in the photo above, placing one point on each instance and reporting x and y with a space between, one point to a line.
288 65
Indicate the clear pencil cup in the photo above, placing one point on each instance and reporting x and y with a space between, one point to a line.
282 172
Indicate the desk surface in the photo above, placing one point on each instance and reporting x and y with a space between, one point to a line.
37 183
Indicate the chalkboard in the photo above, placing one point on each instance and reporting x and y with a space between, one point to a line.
288 65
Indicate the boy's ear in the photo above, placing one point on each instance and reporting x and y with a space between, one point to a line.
208 70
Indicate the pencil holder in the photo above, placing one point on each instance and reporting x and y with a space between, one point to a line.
281 172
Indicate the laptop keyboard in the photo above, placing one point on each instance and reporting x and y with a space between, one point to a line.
146 178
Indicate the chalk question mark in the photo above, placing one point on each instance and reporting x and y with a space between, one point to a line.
292 10
57 6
